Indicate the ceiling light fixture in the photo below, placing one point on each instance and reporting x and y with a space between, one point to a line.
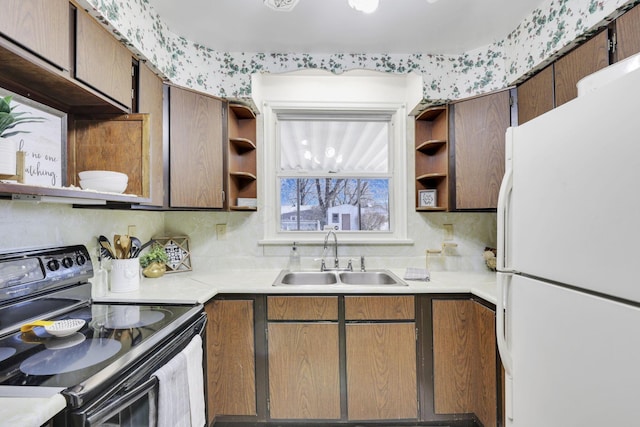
365 6
281 5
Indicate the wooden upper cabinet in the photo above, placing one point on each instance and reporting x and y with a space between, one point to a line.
628 34
479 126
196 150
111 142
40 26
242 157
588 58
102 61
535 96
150 100
432 156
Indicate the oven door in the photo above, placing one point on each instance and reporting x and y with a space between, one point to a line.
133 403
135 408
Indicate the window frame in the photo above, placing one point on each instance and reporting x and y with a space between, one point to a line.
397 165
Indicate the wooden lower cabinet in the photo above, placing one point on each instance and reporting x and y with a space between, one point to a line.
230 358
304 370
465 359
352 359
381 371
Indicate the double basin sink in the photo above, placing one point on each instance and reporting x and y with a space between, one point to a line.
363 278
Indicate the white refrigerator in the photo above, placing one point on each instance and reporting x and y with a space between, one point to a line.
568 311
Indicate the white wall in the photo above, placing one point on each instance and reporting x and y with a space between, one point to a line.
28 224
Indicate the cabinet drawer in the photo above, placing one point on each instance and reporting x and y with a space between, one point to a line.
302 308
379 307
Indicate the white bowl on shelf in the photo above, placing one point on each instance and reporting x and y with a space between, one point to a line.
109 185
101 174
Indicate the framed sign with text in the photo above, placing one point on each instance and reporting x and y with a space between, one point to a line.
43 142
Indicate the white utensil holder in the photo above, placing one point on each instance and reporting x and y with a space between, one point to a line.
125 275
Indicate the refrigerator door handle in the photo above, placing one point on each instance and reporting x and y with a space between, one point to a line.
504 203
504 280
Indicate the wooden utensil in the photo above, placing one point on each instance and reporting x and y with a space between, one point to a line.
106 245
125 245
117 246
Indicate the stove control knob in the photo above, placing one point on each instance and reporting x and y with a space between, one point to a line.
67 262
81 260
53 265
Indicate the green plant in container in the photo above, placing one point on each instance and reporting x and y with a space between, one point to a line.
9 118
153 263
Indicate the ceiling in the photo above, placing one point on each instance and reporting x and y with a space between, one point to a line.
331 26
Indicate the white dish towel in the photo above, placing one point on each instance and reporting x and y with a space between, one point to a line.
194 355
181 389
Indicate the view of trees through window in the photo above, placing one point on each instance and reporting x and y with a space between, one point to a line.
308 204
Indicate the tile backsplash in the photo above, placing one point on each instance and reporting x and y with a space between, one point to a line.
26 224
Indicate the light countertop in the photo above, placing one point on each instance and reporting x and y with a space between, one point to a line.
29 411
191 287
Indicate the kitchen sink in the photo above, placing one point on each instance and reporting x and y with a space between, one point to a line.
362 278
307 278
368 278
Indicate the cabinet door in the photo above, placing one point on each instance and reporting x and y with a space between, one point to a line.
584 60
479 137
230 353
196 156
102 61
150 101
40 26
464 359
628 34
304 374
535 96
381 371
111 142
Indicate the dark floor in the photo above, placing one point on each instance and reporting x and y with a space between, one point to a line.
461 423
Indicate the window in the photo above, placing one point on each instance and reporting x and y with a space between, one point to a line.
352 175
334 171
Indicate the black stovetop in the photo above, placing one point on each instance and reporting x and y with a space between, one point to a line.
112 335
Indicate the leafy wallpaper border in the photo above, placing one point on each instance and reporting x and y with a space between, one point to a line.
544 34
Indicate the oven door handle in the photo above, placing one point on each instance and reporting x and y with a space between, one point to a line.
121 402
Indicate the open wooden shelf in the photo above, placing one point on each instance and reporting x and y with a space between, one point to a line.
431 146
432 156
243 143
241 157
243 175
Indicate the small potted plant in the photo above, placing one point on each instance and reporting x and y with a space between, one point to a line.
9 119
153 263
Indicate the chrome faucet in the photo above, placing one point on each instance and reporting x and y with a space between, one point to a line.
336 262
